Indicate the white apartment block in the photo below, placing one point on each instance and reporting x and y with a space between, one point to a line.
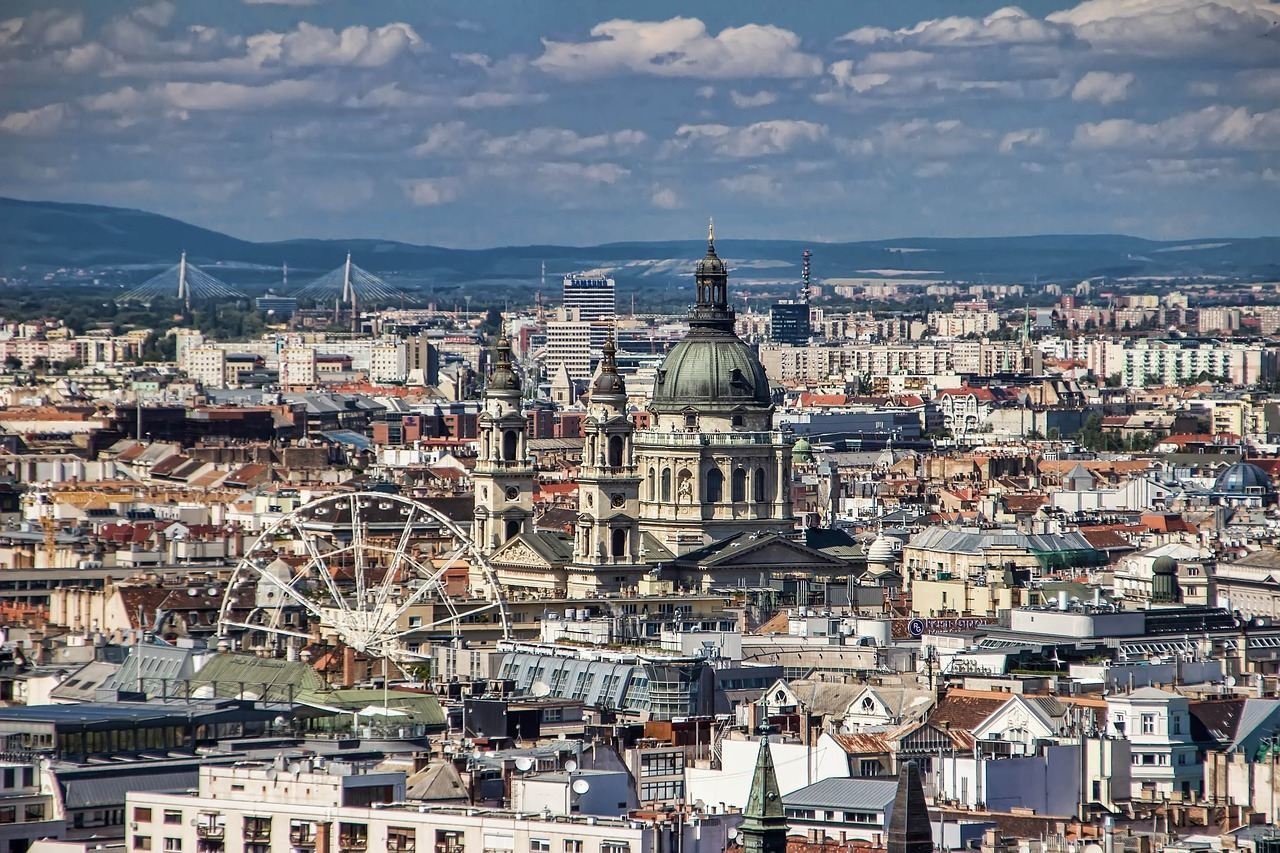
206 365
388 362
297 367
339 808
1172 361
961 323
818 363
574 344
1157 725
1218 319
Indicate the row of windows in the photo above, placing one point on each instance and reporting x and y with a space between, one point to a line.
659 486
30 812
650 791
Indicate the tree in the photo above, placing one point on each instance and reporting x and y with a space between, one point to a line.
492 321
12 362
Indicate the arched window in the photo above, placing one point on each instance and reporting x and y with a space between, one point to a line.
653 484
759 485
619 542
615 451
739 485
513 528
509 442
715 486
666 485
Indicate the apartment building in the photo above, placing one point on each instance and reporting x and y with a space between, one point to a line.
340 807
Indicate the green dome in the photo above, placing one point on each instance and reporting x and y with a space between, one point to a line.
802 450
711 369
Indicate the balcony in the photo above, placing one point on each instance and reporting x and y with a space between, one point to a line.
709 439
210 830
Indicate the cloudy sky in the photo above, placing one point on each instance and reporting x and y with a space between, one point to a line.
484 123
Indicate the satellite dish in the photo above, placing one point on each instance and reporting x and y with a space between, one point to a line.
539 689
1230 681
524 764
570 765
580 786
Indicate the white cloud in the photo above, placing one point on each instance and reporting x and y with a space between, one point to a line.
389 96
680 47
45 28
705 91
760 139
445 138
492 100
430 192
1007 26
1230 30
364 47
664 198
845 76
758 99
1103 87
1028 137
1211 127
280 2
190 96
456 139
758 184
932 169
567 175
919 137
37 122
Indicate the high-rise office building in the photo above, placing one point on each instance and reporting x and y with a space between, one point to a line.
588 298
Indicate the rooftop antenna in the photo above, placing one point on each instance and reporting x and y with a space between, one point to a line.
805 280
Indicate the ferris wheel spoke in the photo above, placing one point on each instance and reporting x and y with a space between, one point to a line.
367 611
357 550
431 581
455 615
283 632
397 560
322 567
288 590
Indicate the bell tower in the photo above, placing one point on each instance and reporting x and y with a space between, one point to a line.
608 530
503 475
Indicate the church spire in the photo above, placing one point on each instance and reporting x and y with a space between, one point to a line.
503 381
764 823
608 383
712 278
909 830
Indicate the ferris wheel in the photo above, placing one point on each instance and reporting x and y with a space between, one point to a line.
381 574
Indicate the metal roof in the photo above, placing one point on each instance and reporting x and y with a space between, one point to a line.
853 794
110 790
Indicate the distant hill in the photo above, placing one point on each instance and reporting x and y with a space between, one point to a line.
43 235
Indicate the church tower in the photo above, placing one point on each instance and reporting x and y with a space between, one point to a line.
764 823
608 532
711 462
503 475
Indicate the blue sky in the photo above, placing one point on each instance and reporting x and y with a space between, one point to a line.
488 123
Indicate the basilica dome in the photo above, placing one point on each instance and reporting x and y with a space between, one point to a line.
710 370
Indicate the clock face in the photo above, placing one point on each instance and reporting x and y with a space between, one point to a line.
512 493
618 500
